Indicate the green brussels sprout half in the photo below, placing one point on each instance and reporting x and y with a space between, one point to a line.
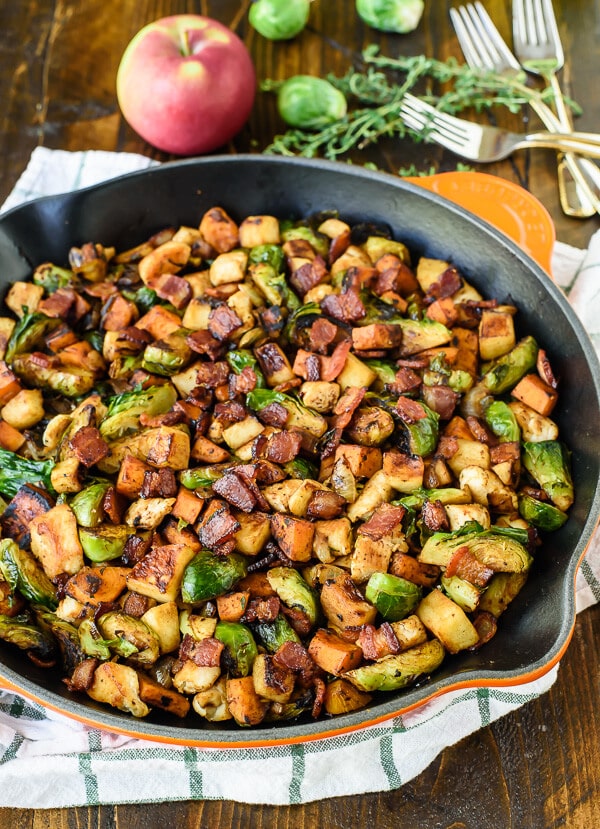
400 16
20 569
208 576
541 514
398 670
240 647
547 461
279 19
501 420
310 103
21 632
87 504
294 591
105 542
124 409
274 634
394 597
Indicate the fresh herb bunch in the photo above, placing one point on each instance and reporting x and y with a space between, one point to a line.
375 90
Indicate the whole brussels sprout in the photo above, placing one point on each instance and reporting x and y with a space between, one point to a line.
279 19
310 103
399 16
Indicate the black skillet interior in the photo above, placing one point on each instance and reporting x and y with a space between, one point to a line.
125 211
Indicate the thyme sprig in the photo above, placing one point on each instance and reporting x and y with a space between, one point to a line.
375 90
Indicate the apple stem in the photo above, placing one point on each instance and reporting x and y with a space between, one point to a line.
185 43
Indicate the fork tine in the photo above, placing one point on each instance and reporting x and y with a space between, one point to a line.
552 33
486 28
464 33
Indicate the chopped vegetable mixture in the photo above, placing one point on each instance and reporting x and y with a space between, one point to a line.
263 470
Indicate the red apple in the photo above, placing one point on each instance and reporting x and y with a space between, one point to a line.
186 84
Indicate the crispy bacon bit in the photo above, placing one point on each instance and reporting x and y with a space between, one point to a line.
283 447
43 360
243 382
218 527
166 419
159 483
89 446
481 431
135 548
236 491
464 565
398 278
410 410
441 399
136 605
331 367
230 412
173 289
203 342
347 404
313 367
545 369
58 304
384 520
113 505
261 471
212 375
447 283
325 504
434 516
322 333
329 446
308 275
506 451
320 692
222 321
261 609
272 319
378 642
274 414
295 657
346 307
202 652
298 620
83 675
405 380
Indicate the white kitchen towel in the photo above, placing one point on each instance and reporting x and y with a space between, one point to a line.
48 760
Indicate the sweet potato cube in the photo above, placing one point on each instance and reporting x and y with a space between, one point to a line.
9 384
187 506
245 705
10 438
536 393
364 461
294 536
131 476
157 696
159 322
458 428
232 606
205 451
94 585
332 653
344 605
443 310
466 341
341 697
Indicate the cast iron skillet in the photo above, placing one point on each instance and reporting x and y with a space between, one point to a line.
536 629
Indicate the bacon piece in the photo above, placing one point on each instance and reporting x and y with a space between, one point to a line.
166 419
325 504
347 404
330 445
283 447
308 275
346 307
481 431
322 333
58 304
212 375
434 516
464 565
274 414
136 605
243 382
447 283
89 446
135 549
173 289
159 483
506 451
405 380
378 642
262 609
441 399
320 692
331 367
295 657
384 520
410 410
398 277
203 342
83 675
297 619
138 338
230 412
235 491
202 652
218 526
222 321
272 320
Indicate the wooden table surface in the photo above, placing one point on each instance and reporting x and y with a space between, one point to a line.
538 767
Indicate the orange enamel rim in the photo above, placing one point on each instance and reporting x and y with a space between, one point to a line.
505 205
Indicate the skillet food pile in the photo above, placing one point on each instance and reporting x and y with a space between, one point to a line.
265 470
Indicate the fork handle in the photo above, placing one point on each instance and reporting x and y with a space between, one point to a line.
584 143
